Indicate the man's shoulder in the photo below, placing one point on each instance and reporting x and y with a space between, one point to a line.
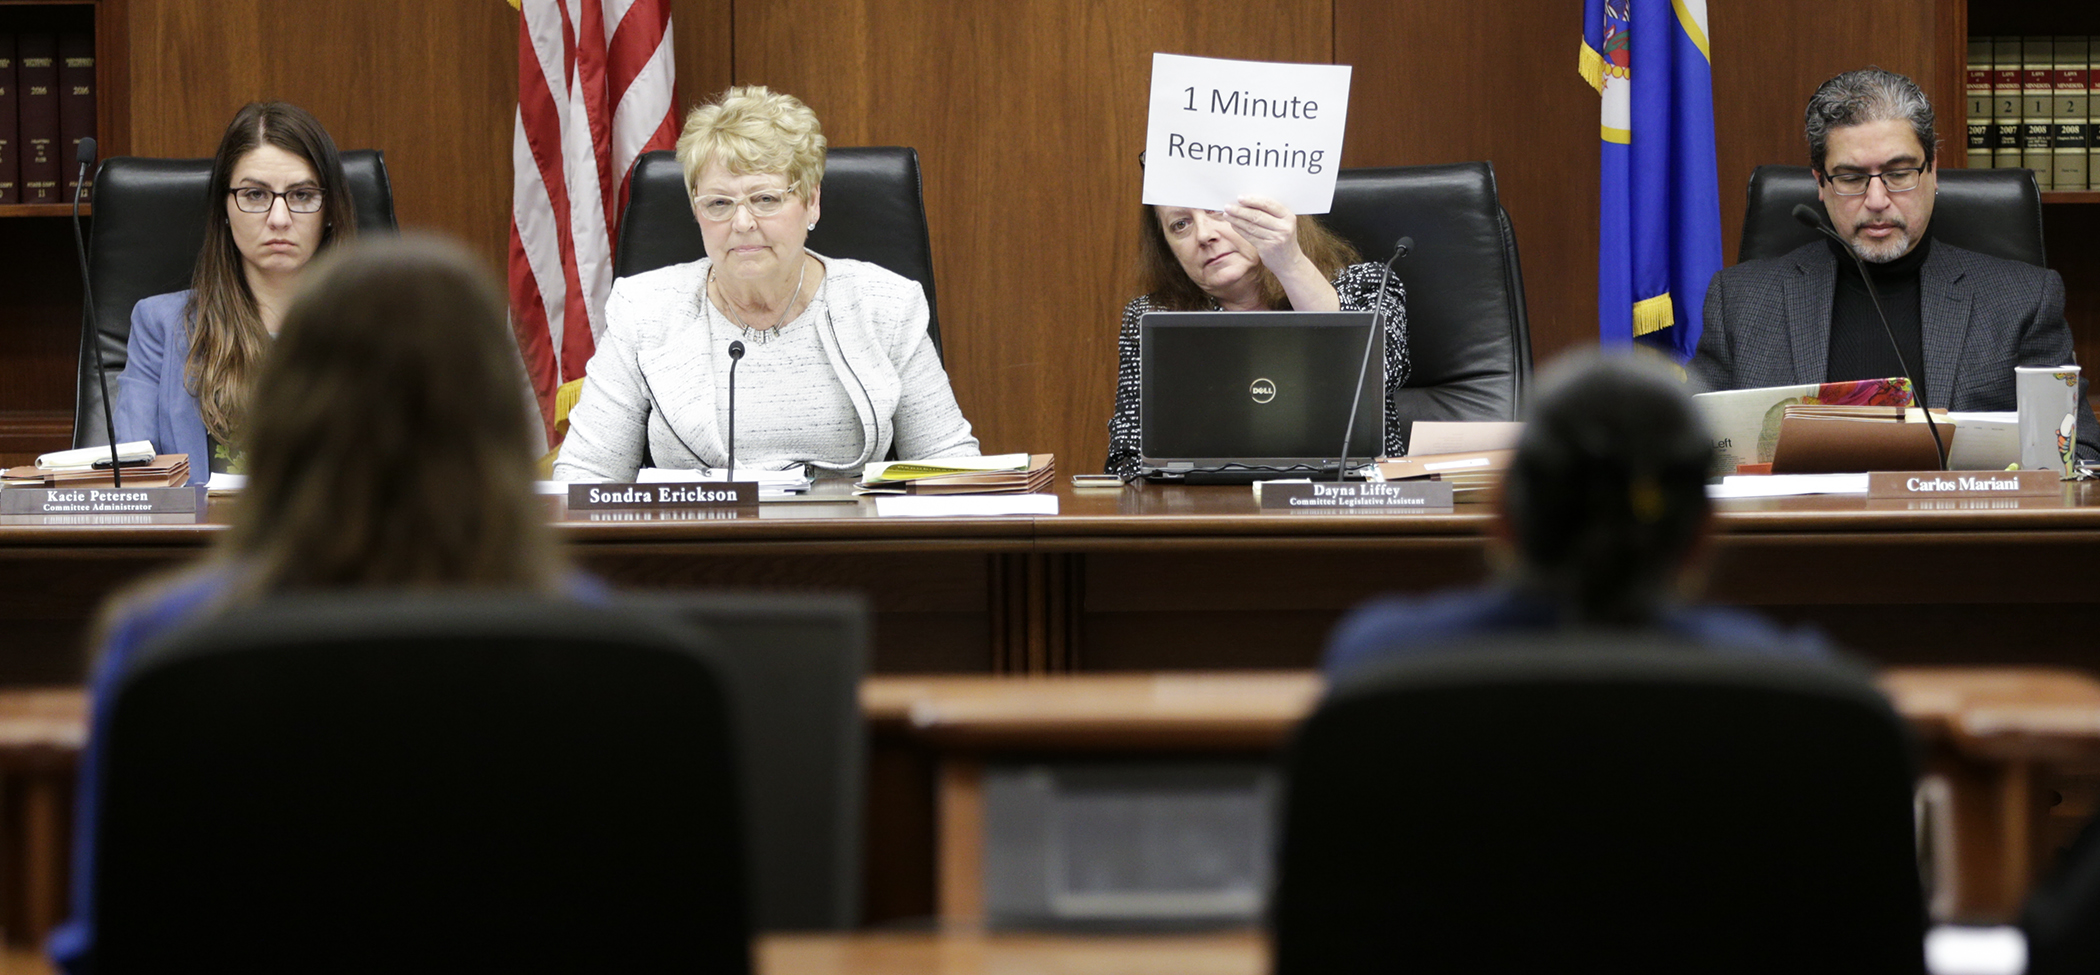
1950 261
1792 262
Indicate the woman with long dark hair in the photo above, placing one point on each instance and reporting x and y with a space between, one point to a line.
390 448
279 199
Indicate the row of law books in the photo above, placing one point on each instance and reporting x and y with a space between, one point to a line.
47 105
2031 104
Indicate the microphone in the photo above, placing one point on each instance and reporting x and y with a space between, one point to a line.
1400 250
1808 217
736 355
87 297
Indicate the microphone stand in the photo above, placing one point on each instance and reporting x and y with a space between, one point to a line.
736 355
1400 249
87 297
1809 217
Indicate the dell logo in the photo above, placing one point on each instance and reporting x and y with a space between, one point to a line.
1263 390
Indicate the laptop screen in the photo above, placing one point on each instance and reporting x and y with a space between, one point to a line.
1257 389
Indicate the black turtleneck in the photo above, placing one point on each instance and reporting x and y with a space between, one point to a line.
1859 349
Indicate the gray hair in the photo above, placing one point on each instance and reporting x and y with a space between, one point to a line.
1862 96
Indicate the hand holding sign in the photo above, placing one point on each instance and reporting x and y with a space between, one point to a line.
1270 226
1220 130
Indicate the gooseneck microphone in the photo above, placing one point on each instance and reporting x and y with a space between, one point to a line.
1813 220
736 355
1400 250
87 298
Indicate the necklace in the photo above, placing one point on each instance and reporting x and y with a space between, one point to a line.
757 336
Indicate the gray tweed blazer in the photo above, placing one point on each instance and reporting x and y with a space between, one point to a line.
1767 323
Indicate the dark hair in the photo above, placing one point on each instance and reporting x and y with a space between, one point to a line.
1161 275
390 441
226 333
1862 96
1607 492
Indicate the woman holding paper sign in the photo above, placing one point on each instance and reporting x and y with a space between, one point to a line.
279 198
836 364
1254 256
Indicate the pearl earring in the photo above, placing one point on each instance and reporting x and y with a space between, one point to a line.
812 226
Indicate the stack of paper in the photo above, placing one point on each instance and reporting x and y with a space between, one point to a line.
1472 474
997 474
157 470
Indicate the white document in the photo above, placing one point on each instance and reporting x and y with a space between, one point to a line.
224 483
1220 129
85 458
1739 486
1983 441
988 462
964 505
1456 437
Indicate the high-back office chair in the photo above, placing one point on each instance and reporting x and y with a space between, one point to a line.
1989 211
148 227
791 668
874 211
1633 804
1468 336
427 784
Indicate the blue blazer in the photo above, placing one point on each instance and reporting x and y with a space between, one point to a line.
153 401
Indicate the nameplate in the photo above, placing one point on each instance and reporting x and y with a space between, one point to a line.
1353 495
628 497
103 501
1888 485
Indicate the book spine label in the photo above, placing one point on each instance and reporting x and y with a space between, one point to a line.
36 68
76 106
1978 89
10 124
2005 102
2073 132
2038 109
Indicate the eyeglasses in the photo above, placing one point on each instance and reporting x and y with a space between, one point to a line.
763 203
1893 180
298 199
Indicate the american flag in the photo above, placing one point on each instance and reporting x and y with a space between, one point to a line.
594 91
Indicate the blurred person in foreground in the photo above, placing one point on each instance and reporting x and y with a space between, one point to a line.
1602 522
388 449
837 364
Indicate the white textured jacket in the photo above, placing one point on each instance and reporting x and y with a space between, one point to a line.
653 375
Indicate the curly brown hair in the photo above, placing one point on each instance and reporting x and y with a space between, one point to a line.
1162 277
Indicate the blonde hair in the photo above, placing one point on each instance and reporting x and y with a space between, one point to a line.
751 130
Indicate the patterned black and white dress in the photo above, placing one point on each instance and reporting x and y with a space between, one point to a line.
1355 285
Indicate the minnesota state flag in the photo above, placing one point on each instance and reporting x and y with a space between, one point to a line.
1660 209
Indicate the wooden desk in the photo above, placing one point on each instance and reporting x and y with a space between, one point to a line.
1164 578
1994 737
958 953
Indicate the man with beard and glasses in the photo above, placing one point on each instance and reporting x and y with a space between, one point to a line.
1962 320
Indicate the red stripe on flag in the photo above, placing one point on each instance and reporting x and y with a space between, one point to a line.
633 43
597 109
528 321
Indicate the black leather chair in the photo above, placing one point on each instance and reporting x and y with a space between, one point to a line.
432 784
1467 331
148 227
792 668
1533 804
874 211
1989 211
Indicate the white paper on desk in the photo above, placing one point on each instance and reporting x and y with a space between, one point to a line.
964 505
1739 486
1462 436
1984 441
1952 949
224 483
1220 129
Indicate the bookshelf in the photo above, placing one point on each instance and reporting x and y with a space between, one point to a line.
40 313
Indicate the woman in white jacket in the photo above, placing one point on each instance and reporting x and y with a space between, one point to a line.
836 365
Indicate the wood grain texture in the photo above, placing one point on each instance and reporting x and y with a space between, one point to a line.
1028 117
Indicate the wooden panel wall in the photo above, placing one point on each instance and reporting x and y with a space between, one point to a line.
1028 116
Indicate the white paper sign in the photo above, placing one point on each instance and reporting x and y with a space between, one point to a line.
1220 129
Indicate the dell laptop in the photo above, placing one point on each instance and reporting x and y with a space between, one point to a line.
1233 397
